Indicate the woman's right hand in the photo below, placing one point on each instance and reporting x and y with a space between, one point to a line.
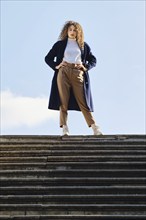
63 63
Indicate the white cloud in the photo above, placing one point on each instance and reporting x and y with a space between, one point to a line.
17 110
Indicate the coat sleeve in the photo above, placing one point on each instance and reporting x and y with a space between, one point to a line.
50 57
90 58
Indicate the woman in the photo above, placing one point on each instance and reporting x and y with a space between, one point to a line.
71 59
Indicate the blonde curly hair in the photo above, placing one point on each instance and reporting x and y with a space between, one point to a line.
80 35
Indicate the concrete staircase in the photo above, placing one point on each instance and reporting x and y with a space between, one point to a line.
73 178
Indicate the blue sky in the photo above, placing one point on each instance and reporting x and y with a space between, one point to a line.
115 31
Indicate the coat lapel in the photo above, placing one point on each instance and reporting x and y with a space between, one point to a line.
62 48
82 54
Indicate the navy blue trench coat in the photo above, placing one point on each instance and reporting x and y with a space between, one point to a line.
54 58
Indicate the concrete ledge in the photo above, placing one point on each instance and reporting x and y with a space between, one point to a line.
80 137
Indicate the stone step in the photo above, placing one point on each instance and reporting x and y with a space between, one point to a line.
72 181
70 147
23 159
74 173
73 199
73 207
72 165
97 158
67 190
75 217
34 153
28 165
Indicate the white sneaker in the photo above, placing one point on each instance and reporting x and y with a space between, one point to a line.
65 130
96 130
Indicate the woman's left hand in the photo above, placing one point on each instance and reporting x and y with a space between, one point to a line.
81 67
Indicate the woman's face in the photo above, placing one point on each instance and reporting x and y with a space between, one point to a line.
72 33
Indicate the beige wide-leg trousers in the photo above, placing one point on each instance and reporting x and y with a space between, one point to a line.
70 77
